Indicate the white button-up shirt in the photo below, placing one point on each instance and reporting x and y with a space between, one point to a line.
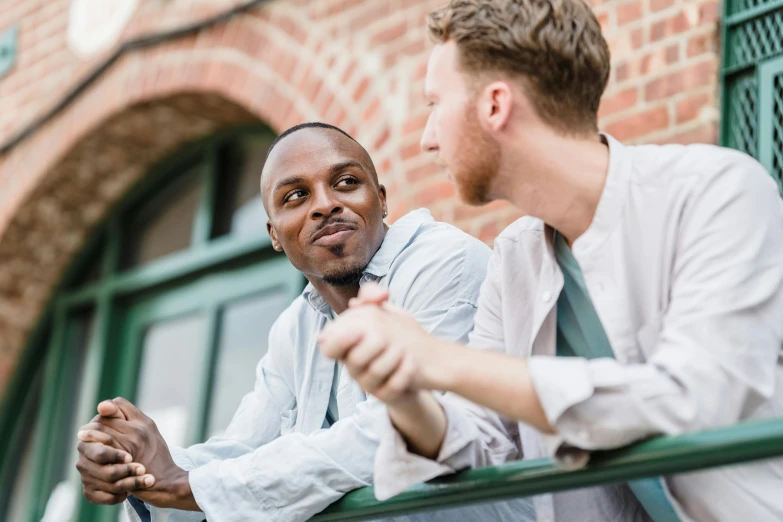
275 462
684 264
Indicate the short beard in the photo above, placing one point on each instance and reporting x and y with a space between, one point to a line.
349 277
479 162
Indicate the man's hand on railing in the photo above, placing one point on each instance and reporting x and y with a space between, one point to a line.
121 452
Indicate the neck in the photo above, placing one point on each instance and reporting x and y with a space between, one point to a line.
336 296
564 180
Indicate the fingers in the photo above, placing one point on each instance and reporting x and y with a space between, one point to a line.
381 368
363 353
337 339
108 473
115 428
400 383
370 294
102 497
103 454
90 435
100 492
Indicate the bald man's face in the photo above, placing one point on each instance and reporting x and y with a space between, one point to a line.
325 206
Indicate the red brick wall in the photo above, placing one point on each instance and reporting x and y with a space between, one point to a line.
358 64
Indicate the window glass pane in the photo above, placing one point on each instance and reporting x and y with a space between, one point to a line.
243 340
164 224
92 270
239 208
173 353
78 390
17 497
21 487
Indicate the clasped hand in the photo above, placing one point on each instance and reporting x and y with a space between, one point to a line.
121 452
383 347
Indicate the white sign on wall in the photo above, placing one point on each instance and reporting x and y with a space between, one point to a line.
95 25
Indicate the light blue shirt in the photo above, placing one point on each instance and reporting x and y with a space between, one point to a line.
275 461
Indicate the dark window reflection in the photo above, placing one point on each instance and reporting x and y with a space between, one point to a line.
239 208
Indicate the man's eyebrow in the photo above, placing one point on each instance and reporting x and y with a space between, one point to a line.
292 180
334 169
337 167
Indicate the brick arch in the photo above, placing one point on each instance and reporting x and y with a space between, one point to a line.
60 183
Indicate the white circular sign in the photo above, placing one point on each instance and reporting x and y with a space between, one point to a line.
95 25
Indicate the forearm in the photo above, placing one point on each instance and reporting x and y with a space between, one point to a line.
494 380
421 422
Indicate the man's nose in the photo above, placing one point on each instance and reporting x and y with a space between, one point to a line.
429 140
325 203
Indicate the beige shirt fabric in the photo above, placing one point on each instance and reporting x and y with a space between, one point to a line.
684 264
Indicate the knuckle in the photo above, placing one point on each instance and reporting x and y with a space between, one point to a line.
102 454
376 373
114 474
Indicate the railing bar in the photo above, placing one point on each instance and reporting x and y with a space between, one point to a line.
662 456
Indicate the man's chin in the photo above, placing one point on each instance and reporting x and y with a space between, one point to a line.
345 277
471 196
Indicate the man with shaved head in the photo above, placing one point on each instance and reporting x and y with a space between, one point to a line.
306 434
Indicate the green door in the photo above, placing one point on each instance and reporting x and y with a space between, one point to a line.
190 351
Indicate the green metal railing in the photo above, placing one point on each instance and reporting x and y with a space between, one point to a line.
661 456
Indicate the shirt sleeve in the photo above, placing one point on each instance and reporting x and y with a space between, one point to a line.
475 436
257 421
715 353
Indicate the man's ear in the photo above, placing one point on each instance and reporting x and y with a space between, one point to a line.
273 234
494 106
382 194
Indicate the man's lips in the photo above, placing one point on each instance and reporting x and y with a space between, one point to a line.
333 234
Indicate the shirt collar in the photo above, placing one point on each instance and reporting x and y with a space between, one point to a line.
397 238
610 205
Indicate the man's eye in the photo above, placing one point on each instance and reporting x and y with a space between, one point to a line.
293 195
347 181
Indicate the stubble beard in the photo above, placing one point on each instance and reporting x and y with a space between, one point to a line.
477 165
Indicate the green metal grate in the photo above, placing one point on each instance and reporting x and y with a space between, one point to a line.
777 128
756 39
738 6
743 114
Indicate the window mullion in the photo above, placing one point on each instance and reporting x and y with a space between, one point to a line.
202 227
207 377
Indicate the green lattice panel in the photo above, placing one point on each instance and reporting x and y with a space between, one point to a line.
756 39
777 128
743 114
738 6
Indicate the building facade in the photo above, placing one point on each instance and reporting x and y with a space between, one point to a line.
133 254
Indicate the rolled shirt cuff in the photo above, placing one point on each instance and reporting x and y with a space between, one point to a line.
396 468
560 384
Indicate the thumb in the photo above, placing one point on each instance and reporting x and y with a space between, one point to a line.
127 408
110 409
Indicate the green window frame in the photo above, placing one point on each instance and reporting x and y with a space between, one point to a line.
122 301
752 81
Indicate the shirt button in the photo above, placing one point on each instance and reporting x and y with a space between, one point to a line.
546 296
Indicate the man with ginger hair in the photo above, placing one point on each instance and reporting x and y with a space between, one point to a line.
642 295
